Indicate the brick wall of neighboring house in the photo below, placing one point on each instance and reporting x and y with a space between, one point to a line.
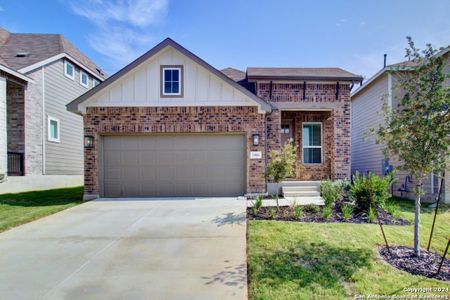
147 120
15 117
33 124
338 129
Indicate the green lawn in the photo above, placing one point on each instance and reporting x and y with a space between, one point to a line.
289 260
16 209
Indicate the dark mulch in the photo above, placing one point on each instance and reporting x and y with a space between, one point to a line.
286 213
427 264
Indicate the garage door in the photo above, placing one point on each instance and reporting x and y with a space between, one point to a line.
173 165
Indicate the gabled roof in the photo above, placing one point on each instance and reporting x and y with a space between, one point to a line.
73 106
401 66
14 73
302 74
21 50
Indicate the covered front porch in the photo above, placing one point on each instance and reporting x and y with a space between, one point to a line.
312 133
12 128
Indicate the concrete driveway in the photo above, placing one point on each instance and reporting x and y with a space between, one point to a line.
136 249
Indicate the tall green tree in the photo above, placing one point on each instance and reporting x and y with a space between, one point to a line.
417 132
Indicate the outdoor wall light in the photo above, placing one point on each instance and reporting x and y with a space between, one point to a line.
88 142
255 139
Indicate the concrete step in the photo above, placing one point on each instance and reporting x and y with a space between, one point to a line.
306 200
301 193
300 183
301 188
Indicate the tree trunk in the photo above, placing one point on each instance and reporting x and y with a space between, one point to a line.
417 219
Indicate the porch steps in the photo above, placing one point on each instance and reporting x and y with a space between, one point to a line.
302 192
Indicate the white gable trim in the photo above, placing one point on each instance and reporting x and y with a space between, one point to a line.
75 105
55 58
15 73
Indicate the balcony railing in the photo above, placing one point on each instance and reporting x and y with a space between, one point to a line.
16 164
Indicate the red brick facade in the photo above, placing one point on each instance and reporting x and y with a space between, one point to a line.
317 103
147 120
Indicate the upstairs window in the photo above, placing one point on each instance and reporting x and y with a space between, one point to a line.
84 79
69 70
312 143
95 82
53 130
171 81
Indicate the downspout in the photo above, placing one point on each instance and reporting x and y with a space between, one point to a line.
265 151
270 94
44 121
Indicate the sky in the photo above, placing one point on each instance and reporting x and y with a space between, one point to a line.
349 34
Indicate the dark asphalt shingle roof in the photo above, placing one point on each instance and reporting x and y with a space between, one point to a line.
306 73
235 74
39 47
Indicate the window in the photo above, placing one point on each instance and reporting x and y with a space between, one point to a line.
312 143
84 79
69 70
95 82
53 130
171 81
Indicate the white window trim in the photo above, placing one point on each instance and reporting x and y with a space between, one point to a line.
65 70
95 82
313 147
49 137
87 80
164 81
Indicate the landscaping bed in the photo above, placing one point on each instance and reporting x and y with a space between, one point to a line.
315 214
426 264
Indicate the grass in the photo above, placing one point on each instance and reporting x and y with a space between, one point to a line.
16 209
289 260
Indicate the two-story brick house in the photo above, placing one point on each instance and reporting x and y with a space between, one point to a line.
170 124
40 141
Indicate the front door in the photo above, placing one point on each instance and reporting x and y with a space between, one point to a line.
287 134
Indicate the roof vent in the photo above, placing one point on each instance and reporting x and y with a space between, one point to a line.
22 54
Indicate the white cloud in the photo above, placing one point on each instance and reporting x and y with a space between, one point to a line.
123 26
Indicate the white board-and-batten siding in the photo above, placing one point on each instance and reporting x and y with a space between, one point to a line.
142 86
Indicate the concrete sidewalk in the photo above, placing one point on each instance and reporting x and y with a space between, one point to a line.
136 249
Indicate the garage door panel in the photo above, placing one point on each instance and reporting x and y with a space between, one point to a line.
174 165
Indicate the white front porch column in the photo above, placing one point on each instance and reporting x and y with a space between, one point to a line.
3 132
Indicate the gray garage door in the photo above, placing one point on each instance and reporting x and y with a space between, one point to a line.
173 165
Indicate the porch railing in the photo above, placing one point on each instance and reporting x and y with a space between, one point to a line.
16 164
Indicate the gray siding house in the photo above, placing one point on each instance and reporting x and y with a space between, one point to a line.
40 142
367 104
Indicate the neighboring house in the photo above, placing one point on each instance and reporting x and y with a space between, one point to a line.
40 142
367 105
170 124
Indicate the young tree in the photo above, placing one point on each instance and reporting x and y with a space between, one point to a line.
282 164
417 132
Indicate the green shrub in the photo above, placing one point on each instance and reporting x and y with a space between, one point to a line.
333 191
347 211
312 208
372 215
272 212
370 191
392 208
257 204
326 212
298 212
